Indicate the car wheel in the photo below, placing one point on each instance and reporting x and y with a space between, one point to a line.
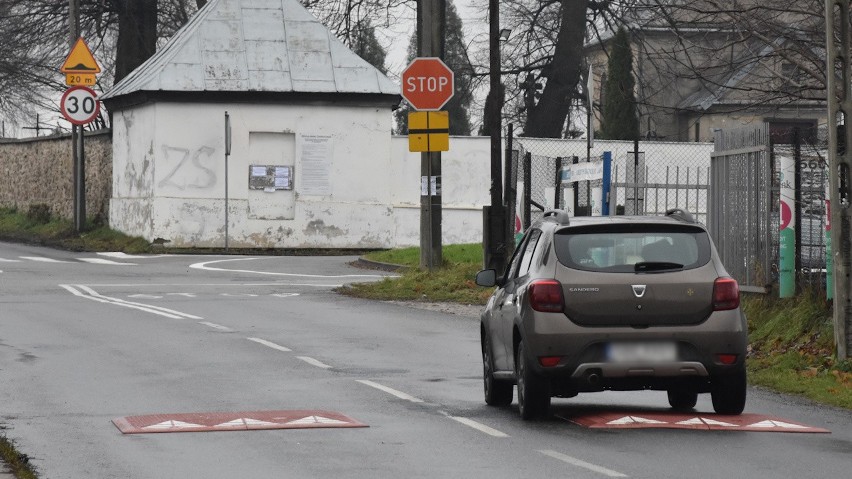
533 391
682 399
729 393
497 392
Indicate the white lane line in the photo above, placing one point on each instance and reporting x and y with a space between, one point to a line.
391 391
215 326
576 462
314 362
4 260
89 293
42 259
159 285
105 261
270 273
478 426
270 344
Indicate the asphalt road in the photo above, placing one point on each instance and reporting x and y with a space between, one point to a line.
88 338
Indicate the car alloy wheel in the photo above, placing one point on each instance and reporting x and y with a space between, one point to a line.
533 391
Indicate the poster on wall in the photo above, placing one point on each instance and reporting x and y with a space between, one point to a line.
316 156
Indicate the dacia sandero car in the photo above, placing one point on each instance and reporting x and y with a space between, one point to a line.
614 303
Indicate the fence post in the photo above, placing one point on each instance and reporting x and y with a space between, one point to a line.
557 185
511 190
527 190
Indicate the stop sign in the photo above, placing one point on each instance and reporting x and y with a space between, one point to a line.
427 83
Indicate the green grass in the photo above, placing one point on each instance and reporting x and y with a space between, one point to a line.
792 348
452 282
18 463
38 226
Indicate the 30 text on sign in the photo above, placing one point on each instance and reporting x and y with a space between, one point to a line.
79 105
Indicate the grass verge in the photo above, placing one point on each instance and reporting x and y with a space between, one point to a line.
19 464
791 340
36 225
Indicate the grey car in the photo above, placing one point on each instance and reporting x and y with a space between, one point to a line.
614 303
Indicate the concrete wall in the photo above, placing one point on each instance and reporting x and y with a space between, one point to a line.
169 175
39 171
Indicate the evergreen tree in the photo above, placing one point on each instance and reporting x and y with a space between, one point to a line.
455 56
619 120
367 46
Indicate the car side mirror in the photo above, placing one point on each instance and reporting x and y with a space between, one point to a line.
487 278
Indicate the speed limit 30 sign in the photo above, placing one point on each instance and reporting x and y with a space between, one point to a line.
79 105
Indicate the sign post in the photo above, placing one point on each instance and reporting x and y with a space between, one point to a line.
79 105
428 84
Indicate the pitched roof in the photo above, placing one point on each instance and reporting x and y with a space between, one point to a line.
255 45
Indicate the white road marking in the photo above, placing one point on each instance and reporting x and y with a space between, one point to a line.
314 362
577 462
478 426
160 285
4 260
270 273
215 326
42 259
105 261
270 344
119 254
391 391
89 293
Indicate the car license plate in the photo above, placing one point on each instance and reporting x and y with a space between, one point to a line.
642 352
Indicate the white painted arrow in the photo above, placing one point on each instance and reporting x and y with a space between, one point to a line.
635 420
316 420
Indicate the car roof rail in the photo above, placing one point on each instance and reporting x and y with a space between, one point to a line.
680 214
560 216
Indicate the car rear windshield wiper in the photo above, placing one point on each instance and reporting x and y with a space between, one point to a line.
654 266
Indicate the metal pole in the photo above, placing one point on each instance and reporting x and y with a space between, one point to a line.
227 154
839 107
77 153
495 243
511 189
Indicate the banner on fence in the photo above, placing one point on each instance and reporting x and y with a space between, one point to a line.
590 171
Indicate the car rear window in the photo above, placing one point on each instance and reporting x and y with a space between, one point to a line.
632 248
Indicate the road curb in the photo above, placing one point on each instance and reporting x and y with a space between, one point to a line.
362 262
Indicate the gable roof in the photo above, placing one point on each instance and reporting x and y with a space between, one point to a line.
257 46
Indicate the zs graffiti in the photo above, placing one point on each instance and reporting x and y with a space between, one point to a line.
190 170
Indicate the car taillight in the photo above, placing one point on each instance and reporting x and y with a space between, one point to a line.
546 296
726 294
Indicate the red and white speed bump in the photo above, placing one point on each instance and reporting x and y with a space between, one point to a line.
673 420
233 421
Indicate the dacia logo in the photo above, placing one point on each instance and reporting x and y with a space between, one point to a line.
638 290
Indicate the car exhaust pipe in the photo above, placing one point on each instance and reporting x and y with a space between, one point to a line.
593 379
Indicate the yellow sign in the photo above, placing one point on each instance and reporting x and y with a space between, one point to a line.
80 79
428 131
80 60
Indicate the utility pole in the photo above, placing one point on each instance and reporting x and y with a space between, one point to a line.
840 163
495 243
431 21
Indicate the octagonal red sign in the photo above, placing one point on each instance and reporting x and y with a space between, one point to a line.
427 83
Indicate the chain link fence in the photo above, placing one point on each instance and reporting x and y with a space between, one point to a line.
647 177
732 185
747 180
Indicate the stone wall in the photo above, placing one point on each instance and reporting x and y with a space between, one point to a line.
40 171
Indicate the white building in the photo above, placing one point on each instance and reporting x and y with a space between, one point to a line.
310 162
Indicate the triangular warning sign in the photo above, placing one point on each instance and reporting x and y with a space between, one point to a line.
173 425
784 425
80 60
634 420
316 420
245 421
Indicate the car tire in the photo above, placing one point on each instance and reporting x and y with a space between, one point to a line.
497 392
728 393
533 390
682 399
